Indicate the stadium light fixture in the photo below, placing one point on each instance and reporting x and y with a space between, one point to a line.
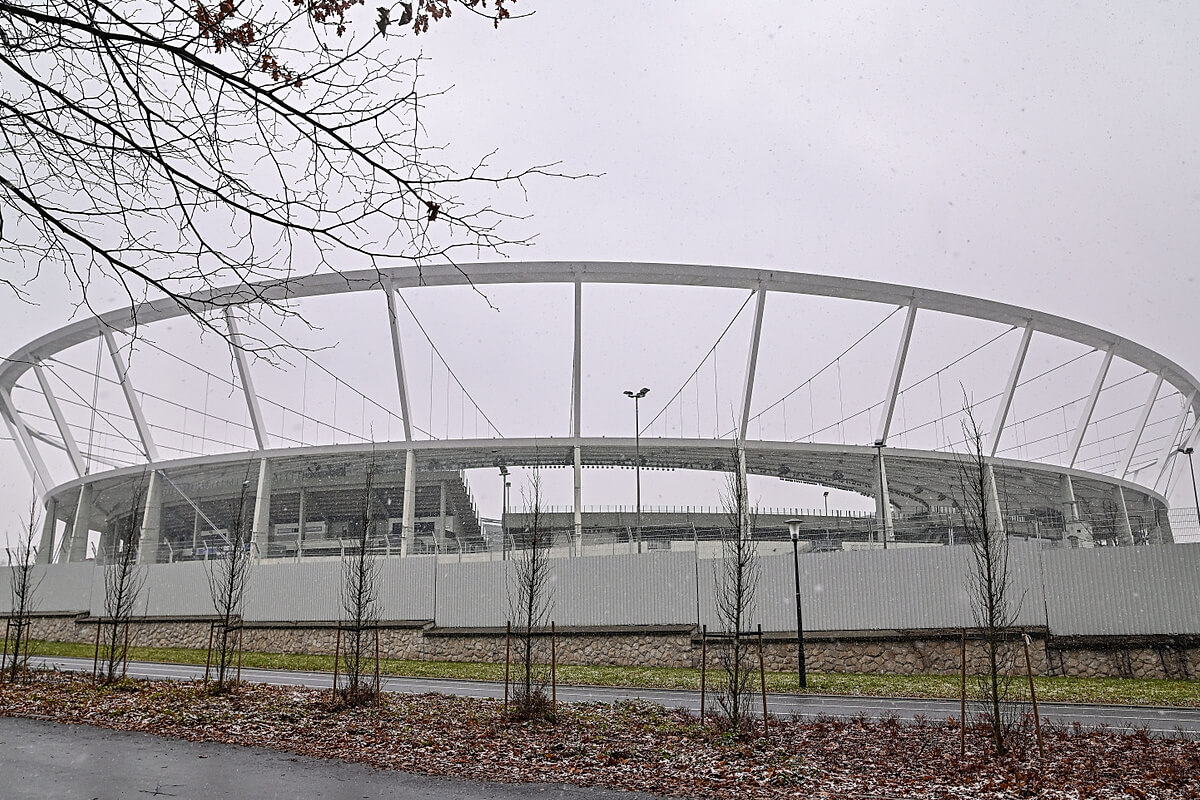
802 672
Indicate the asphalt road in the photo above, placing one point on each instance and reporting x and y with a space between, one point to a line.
1163 721
78 762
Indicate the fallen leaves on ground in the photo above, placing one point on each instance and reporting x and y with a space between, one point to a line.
635 746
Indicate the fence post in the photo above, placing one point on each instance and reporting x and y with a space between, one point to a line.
703 666
207 658
762 678
962 719
241 627
96 654
553 668
1037 720
125 652
337 647
507 656
378 685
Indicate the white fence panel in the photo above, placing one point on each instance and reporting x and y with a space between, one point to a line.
473 594
646 589
57 589
875 590
1124 590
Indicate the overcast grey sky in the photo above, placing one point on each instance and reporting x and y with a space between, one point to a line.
1036 154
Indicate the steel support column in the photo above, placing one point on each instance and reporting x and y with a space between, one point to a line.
410 460
410 500
994 509
135 408
752 363
883 498
260 534
1010 389
889 402
45 551
24 442
578 501
1166 455
59 420
1135 435
151 529
1125 529
76 541
576 404
1067 492
237 344
1085 418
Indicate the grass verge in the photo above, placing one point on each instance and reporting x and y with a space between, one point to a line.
1118 691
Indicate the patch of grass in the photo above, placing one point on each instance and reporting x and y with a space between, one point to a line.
1118 691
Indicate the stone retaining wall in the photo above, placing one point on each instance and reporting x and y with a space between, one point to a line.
893 652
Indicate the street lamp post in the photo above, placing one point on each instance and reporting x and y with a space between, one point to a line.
827 520
637 449
794 529
504 484
1187 451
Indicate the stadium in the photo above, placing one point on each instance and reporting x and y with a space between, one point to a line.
131 441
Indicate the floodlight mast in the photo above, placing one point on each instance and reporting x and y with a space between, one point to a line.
637 450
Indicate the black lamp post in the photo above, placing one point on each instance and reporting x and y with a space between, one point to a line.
637 449
504 484
1187 451
794 529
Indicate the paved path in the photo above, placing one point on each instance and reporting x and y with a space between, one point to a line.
78 762
1164 721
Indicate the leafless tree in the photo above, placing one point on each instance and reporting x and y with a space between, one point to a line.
23 581
175 147
992 605
530 602
228 576
360 602
737 586
124 579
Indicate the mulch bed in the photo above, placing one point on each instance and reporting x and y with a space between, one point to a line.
634 746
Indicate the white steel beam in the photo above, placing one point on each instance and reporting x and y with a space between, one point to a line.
577 362
1165 456
1126 530
261 530
752 363
29 453
578 501
1014 377
389 291
45 549
889 402
151 531
1089 407
237 343
409 507
80 526
59 420
576 397
135 408
1135 435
